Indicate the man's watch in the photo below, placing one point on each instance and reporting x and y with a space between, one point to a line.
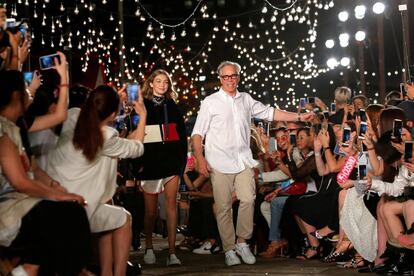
299 117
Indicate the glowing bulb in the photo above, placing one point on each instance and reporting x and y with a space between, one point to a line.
360 35
343 16
332 63
330 43
360 11
345 61
378 8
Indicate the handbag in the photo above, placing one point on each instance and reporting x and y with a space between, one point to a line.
296 188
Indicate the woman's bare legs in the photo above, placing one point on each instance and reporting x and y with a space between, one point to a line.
381 232
151 206
105 253
392 211
170 190
121 240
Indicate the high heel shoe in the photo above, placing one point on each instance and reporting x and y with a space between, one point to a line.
275 249
306 256
327 238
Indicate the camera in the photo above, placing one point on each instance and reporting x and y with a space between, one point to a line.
292 138
48 62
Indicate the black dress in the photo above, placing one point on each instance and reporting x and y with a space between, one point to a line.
163 159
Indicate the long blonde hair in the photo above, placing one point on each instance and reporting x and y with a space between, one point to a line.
147 91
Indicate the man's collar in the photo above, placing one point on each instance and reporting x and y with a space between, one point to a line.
237 95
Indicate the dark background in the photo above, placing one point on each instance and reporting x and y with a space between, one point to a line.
190 57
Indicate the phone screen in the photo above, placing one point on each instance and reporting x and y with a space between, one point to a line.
326 115
132 91
119 122
134 121
28 76
302 102
48 62
397 130
362 115
272 144
346 136
408 151
333 107
362 130
292 139
362 171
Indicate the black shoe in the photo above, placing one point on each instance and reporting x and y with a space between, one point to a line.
133 269
371 268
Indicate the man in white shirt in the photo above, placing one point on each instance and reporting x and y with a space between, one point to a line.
224 121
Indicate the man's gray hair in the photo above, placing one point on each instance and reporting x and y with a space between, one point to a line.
342 95
226 63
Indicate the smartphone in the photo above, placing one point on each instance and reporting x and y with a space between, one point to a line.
362 115
48 62
302 103
134 120
408 151
326 115
362 130
333 107
397 130
311 100
362 171
272 144
11 22
337 151
346 136
364 148
402 89
292 138
325 126
119 122
28 76
132 91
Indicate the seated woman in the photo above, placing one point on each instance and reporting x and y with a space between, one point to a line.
305 168
202 222
39 221
407 240
86 161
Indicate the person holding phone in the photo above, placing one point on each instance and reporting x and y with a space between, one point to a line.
224 122
85 161
163 162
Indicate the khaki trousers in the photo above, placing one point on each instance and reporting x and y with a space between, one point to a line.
243 185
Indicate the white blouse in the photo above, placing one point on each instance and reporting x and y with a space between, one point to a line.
95 181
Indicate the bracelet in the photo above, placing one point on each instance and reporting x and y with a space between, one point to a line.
299 117
64 85
326 148
370 148
317 154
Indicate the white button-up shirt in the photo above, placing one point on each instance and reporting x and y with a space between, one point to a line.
224 122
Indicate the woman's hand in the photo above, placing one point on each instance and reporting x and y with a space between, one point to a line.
35 83
323 136
62 67
269 197
71 197
317 144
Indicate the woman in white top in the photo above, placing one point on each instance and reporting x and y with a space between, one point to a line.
86 161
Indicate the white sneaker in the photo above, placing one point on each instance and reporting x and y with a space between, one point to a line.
149 256
231 258
172 260
205 249
243 250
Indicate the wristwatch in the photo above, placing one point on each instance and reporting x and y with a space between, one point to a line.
299 117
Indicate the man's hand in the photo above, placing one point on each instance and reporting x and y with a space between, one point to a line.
204 168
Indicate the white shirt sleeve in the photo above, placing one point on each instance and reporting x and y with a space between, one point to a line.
393 189
261 111
114 146
202 123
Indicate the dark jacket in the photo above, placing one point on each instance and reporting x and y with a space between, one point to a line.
163 159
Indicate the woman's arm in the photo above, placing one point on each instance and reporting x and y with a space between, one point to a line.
12 167
61 113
